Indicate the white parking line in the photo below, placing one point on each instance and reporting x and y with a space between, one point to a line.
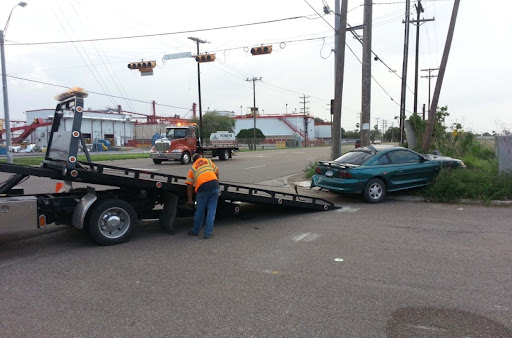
307 237
144 169
259 166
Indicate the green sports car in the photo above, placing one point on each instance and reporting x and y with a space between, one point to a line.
374 170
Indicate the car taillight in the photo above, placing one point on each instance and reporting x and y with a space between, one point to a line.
317 170
344 174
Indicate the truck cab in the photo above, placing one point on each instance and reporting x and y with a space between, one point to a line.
179 143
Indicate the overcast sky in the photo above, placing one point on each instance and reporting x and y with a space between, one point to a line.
476 87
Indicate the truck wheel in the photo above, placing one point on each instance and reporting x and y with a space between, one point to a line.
112 222
157 161
169 212
375 191
223 154
185 158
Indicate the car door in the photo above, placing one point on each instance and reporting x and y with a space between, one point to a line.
409 169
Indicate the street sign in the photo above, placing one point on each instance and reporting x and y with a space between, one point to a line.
146 73
177 56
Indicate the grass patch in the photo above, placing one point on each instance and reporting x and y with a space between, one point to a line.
94 158
310 170
480 181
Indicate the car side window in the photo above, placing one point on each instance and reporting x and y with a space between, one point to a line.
384 159
404 156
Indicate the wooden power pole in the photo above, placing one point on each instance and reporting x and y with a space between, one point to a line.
366 96
440 77
338 90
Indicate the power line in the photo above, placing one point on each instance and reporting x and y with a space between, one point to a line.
158 34
97 93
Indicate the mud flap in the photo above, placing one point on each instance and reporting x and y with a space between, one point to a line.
169 212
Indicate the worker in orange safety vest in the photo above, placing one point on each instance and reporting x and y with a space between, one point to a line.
203 178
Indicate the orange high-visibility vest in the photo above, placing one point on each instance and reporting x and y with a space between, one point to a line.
203 170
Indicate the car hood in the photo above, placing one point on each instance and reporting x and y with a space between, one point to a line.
444 159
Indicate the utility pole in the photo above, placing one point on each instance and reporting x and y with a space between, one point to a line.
338 88
254 109
305 112
417 22
404 70
377 132
366 96
439 82
198 41
429 77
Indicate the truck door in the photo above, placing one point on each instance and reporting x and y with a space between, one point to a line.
191 138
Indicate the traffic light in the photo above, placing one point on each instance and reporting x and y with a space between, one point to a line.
205 58
261 50
142 65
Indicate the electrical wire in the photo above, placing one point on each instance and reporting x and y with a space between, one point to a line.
158 34
93 92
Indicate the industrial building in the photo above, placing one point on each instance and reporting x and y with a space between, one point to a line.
122 128
292 130
117 128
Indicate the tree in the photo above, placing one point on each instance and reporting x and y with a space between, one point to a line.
248 135
213 122
320 121
392 134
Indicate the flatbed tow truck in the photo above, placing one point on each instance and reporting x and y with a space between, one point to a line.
110 215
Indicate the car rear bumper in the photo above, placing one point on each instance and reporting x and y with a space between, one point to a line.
340 185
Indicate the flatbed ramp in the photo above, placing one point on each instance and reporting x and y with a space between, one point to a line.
94 173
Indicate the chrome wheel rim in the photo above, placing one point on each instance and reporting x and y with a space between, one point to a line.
114 222
186 158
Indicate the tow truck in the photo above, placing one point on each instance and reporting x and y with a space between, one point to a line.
182 141
115 198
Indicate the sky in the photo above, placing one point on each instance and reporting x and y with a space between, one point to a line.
476 85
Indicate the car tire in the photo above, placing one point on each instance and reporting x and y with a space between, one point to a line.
157 161
185 158
374 191
112 221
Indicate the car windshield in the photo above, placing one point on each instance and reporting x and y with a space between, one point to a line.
354 157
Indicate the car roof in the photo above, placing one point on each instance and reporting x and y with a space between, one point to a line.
378 147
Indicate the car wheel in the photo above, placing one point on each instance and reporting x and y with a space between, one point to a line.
157 161
375 191
185 158
112 222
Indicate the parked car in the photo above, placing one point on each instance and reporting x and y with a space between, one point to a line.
373 171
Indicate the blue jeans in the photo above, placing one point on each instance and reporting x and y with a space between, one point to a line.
206 201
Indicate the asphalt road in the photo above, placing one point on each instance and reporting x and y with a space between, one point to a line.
396 269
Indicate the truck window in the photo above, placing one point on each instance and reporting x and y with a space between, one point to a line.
180 133
191 132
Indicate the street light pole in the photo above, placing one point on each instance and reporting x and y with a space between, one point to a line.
4 86
198 41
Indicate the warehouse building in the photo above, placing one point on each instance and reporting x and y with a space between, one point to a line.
114 127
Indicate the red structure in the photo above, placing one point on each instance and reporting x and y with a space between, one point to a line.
27 130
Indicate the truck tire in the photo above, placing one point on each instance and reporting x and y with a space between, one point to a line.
112 221
375 191
223 154
157 161
169 212
185 158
